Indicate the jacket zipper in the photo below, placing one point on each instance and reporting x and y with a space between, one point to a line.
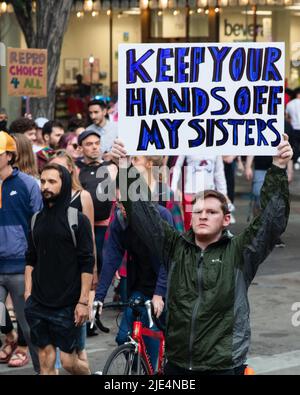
195 309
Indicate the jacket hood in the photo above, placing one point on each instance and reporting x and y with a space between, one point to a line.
63 200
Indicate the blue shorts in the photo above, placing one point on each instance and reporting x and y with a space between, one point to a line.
52 326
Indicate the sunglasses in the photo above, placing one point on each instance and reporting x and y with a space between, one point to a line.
75 146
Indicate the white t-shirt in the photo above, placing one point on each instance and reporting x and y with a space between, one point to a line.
201 172
293 110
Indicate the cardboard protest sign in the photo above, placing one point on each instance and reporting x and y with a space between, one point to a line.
27 72
214 98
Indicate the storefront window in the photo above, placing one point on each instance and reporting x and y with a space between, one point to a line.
168 23
199 25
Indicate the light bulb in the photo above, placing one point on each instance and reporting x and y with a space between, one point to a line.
3 6
144 4
88 5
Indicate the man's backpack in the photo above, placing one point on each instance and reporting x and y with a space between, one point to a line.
72 219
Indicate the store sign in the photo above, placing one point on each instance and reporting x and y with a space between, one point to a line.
27 72
241 29
185 99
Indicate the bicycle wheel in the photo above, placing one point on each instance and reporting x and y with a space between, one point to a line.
123 361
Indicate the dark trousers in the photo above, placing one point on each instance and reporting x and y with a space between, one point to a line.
295 143
229 169
99 239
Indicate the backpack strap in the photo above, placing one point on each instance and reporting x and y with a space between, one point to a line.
73 223
33 220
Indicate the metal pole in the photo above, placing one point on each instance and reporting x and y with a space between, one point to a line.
110 46
27 109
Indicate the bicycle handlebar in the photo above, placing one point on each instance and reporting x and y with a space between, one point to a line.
133 304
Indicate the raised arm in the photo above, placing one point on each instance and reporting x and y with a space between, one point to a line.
259 238
142 214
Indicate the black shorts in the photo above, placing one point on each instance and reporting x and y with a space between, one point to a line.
53 326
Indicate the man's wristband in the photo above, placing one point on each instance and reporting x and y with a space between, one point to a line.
84 304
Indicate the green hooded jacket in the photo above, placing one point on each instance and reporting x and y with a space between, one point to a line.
208 326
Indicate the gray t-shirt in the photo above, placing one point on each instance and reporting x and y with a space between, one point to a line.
108 134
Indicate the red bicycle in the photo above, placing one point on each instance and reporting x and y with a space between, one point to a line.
131 358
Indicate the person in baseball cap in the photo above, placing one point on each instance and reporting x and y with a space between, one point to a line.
86 133
7 143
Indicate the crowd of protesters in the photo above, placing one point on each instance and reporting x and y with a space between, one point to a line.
57 257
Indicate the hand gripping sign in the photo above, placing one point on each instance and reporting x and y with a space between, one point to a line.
185 99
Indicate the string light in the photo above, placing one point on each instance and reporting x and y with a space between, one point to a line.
88 5
3 7
163 4
144 4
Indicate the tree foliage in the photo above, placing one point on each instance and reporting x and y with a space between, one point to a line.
44 28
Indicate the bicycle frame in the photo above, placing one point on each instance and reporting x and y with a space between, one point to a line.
137 335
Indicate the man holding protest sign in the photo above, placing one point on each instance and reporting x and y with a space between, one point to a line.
240 103
210 271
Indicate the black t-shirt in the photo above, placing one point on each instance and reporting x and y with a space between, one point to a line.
91 179
262 162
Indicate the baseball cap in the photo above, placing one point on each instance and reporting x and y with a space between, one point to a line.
40 122
7 143
86 133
